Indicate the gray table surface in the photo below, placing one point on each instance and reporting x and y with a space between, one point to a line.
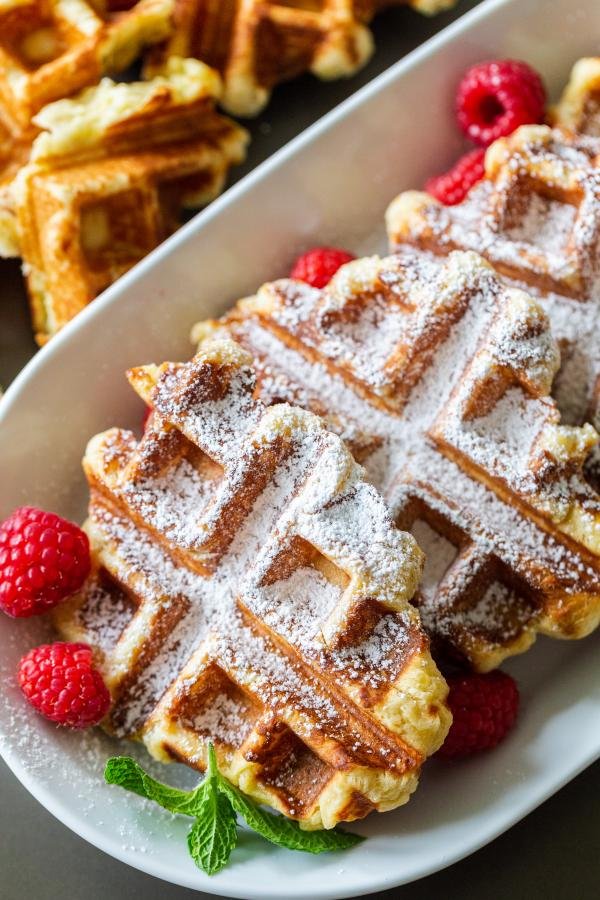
552 854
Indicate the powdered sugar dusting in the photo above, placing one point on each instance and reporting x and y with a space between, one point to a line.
545 223
460 307
440 553
525 221
232 612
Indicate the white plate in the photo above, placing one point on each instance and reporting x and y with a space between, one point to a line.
330 185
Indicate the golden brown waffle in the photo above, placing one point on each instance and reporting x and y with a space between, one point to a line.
15 148
251 589
579 106
438 375
108 179
536 219
50 49
259 43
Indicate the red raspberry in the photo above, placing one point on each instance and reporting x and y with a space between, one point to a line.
484 708
43 559
453 186
146 416
318 266
496 97
60 681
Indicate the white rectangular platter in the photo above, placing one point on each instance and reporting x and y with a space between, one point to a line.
331 185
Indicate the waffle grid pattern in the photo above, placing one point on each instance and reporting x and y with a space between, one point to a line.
258 596
448 409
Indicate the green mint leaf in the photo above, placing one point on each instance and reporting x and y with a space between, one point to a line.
214 833
214 804
125 772
285 832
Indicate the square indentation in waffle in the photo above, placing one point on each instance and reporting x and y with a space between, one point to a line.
35 33
292 770
542 218
439 552
461 422
217 709
299 592
465 597
47 50
118 231
104 611
51 48
272 592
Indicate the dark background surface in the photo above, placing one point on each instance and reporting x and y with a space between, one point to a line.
551 855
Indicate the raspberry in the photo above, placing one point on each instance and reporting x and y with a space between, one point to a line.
146 416
484 708
453 186
318 266
43 559
61 683
494 98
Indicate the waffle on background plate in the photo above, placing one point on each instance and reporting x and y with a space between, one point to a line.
257 44
107 180
51 50
250 588
437 374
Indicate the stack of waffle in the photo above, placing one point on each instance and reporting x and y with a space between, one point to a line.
107 179
51 50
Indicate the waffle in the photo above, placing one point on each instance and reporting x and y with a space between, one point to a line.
437 375
249 588
259 43
50 49
108 179
15 147
579 106
536 219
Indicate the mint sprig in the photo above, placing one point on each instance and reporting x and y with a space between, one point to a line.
213 835
214 804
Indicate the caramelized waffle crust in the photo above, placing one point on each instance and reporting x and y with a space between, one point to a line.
257 44
579 106
437 375
108 179
51 48
250 589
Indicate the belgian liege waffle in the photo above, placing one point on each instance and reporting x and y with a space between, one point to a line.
108 178
250 589
536 218
437 374
579 106
259 43
52 48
